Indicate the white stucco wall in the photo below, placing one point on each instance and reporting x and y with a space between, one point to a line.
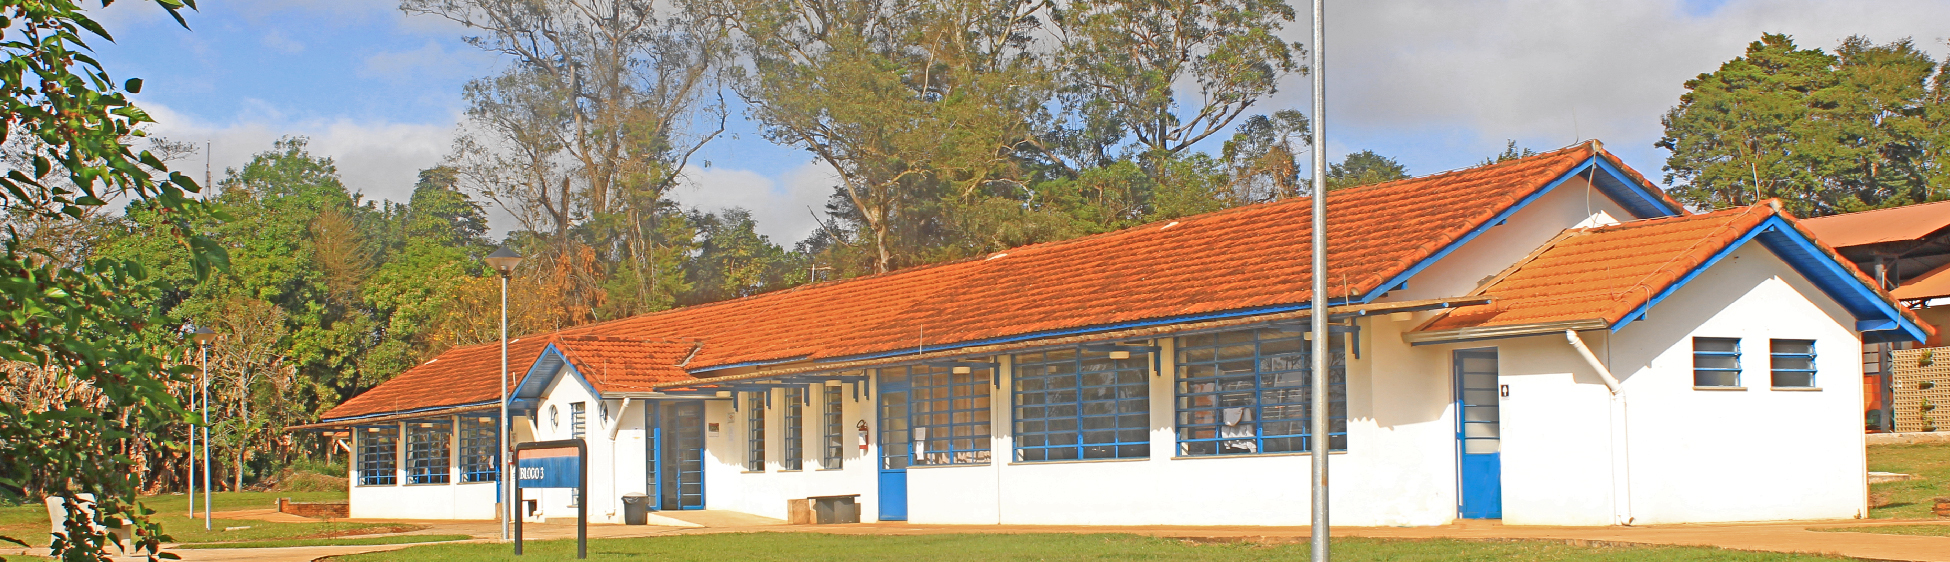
474 500
1463 270
728 485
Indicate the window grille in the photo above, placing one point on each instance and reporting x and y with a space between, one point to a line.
480 449
429 448
578 422
755 431
379 456
795 430
949 414
834 442
1076 404
1716 362
1792 363
1250 391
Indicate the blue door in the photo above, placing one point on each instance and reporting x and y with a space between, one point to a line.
1478 435
676 453
894 444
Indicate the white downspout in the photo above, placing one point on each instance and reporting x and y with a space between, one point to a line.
615 423
1621 465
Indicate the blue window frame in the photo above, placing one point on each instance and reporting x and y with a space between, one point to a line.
480 449
429 450
1792 363
1716 362
1074 404
1250 391
833 443
755 431
379 456
948 414
578 420
795 430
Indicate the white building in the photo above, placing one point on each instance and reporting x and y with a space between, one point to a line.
1506 348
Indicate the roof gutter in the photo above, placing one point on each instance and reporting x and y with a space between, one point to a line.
1480 333
1143 332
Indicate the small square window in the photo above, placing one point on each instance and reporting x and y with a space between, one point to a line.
1792 363
1716 362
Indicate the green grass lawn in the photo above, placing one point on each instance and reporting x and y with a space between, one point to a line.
29 522
389 539
809 547
1911 499
1918 530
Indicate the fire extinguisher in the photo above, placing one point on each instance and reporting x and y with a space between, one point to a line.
863 435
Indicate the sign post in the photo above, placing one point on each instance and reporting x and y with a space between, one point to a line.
550 464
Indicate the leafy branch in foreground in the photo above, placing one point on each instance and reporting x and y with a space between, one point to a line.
90 323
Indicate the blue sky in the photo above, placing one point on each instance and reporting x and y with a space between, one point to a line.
1437 85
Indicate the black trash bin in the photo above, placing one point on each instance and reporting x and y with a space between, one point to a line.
636 509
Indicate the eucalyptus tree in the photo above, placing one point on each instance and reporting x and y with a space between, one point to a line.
593 122
1128 64
912 103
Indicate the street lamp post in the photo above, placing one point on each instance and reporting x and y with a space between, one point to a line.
203 336
504 260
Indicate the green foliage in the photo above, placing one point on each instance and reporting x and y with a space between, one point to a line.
86 322
1510 152
734 260
1363 168
1862 128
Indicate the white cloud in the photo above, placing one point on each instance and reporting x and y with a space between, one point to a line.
779 206
1457 78
277 40
430 60
379 159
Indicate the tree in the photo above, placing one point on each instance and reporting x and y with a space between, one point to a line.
1827 133
734 260
1127 59
586 132
1264 154
1363 168
86 321
911 103
1510 152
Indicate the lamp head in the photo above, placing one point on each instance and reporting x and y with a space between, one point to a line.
503 260
202 335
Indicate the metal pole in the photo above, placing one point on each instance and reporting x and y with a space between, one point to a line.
1320 409
205 391
507 460
190 483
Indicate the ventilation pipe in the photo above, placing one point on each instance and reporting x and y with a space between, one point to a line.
1621 460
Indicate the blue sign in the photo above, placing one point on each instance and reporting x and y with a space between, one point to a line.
547 468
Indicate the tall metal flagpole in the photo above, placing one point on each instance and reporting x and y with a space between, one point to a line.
1321 409
190 482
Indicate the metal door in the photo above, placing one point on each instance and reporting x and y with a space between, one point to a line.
676 453
1478 435
895 453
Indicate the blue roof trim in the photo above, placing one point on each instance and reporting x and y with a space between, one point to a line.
1801 254
1629 194
1613 183
1243 312
538 376
405 412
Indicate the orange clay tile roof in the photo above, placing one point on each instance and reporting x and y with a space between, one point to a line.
1243 258
460 376
614 364
1604 273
